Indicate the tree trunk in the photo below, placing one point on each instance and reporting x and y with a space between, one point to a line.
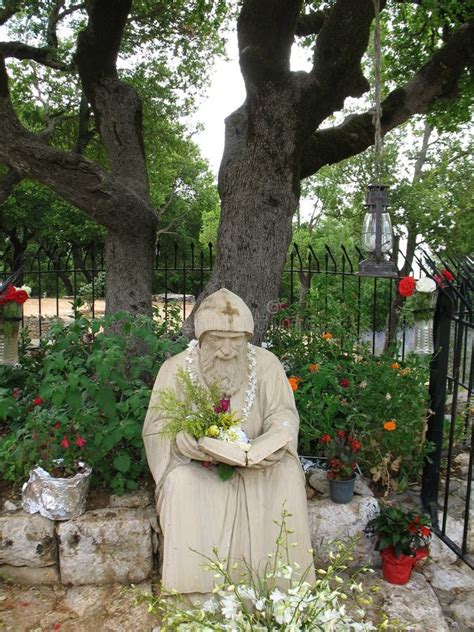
129 265
80 263
259 189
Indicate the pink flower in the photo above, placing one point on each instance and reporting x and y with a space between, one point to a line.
80 441
223 406
344 382
64 443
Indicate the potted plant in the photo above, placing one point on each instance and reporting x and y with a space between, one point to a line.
11 302
57 487
341 454
402 538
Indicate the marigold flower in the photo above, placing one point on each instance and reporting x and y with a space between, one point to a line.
313 368
80 441
64 443
327 335
294 383
37 401
344 382
390 425
325 438
395 365
406 286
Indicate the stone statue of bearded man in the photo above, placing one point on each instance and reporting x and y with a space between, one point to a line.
197 510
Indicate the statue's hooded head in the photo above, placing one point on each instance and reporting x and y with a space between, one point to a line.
223 311
223 324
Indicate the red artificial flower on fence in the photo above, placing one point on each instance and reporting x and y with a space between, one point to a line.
11 294
406 286
443 275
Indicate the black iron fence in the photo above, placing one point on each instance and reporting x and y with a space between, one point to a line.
59 280
447 479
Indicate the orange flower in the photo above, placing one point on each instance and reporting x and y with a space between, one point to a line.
390 425
313 368
294 383
327 335
395 365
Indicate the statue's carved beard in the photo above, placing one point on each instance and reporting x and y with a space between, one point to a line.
230 375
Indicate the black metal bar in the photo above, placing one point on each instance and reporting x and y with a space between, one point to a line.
454 403
437 391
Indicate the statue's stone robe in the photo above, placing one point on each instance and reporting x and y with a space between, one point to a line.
198 511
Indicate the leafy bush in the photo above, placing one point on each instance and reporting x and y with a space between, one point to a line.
339 384
83 381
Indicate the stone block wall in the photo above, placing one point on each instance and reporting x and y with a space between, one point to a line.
105 546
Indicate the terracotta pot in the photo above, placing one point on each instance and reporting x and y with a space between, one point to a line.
397 570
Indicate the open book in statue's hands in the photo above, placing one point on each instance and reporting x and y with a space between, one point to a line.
224 451
268 443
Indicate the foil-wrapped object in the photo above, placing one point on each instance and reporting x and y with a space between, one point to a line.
56 498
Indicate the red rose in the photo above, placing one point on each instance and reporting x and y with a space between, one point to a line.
341 434
37 401
425 531
447 275
344 382
20 297
406 286
356 445
325 438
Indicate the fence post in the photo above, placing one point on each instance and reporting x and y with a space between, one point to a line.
437 391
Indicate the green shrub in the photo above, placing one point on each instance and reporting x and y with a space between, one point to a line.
84 381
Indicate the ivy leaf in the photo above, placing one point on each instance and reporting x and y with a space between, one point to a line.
122 462
224 471
106 401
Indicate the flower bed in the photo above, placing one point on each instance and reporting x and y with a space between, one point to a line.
81 395
340 386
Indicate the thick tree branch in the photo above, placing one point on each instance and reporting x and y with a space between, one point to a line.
435 80
339 48
116 105
44 56
310 23
265 31
7 184
9 9
79 181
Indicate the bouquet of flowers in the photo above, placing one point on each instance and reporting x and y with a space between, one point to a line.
203 413
341 453
11 300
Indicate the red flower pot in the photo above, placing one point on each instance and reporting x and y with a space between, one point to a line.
397 570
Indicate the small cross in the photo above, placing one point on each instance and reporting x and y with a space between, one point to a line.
230 311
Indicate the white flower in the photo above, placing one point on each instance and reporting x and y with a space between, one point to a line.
425 284
210 605
388 397
277 596
229 606
363 385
